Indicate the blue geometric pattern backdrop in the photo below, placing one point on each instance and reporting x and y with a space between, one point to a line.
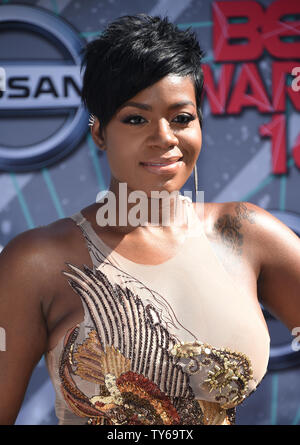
50 167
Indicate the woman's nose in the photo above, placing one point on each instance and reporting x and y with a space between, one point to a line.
163 135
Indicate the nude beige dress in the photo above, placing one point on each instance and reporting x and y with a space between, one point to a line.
174 343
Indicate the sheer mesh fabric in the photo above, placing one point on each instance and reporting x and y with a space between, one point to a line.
173 343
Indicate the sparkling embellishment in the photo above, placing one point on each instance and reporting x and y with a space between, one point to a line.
133 359
92 120
228 372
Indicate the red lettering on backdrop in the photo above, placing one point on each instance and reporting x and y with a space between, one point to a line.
296 152
279 87
223 31
274 29
217 95
262 29
276 129
241 97
240 41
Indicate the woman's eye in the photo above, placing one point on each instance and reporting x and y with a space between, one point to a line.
182 119
185 118
134 120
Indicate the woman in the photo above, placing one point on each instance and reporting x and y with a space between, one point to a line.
147 323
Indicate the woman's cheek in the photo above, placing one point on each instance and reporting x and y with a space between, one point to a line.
120 164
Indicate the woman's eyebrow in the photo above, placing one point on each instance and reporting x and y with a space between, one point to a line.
148 107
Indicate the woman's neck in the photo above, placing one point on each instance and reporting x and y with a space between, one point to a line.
126 209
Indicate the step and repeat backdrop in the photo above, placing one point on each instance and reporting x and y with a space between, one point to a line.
50 167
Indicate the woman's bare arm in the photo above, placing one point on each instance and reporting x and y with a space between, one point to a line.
23 283
278 248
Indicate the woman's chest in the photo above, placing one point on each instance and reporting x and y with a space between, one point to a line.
198 280
194 296
130 340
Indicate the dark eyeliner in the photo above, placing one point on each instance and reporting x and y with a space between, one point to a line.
127 119
190 118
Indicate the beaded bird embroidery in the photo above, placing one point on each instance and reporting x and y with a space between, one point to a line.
142 371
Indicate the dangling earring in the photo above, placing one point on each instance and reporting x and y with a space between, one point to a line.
195 179
92 120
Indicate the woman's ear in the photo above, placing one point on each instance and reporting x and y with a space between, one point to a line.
97 135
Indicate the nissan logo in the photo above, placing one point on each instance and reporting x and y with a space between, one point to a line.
42 87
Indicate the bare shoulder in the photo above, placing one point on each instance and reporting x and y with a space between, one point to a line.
34 255
227 218
28 280
250 231
255 226
33 244
276 250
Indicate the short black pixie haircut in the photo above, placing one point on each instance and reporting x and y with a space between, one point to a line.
133 53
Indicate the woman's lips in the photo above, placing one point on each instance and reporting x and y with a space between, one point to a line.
162 167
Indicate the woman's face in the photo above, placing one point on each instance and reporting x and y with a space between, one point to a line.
153 140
